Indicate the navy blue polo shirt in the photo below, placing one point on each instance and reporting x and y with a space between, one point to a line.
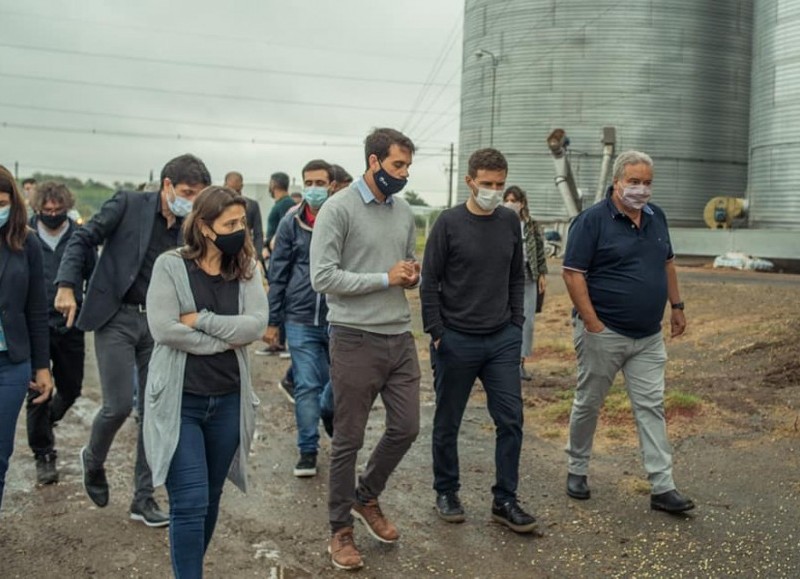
625 266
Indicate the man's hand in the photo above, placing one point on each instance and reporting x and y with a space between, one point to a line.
189 319
677 322
542 283
436 344
595 327
403 273
43 384
417 269
271 336
66 304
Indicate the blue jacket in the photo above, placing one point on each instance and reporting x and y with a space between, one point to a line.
291 297
23 303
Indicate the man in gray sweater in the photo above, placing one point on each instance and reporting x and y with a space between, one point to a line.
362 257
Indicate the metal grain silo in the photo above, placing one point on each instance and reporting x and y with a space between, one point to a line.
774 188
673 78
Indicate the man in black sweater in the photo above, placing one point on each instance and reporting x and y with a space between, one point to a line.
472 297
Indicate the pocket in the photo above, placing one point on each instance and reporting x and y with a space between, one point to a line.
347 340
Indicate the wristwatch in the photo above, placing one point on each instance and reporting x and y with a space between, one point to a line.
678 306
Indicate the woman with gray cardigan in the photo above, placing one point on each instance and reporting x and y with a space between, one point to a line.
204 305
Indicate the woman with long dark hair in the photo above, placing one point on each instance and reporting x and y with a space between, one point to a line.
24 335
535 268
205 304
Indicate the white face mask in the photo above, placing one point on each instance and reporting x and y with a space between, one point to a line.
488 199
636 196
515 206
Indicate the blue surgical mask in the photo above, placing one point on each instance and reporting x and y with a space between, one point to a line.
387 184
5 213
180 206
315 196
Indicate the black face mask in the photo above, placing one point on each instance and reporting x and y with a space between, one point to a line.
387 184
230 244
53 221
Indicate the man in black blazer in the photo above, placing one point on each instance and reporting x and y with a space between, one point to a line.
134 229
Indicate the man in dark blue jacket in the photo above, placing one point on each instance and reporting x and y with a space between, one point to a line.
52 203
293 302
134 229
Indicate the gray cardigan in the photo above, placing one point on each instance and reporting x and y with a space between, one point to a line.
168 297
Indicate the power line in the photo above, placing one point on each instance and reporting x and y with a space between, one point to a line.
184 137
214 66
437 66
184 121
421 117
198 94
205 35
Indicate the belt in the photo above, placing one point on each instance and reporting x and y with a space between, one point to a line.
137 307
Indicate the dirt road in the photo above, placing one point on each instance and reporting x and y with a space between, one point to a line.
733 405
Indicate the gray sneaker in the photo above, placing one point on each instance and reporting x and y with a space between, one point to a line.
147 511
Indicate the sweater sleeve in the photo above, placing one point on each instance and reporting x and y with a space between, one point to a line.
541 257
36 310
243 328
163 316
432 272
516 283
327 244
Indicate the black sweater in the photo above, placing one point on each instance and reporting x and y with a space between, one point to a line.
472 273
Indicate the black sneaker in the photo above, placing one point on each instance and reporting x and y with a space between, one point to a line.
512 516
449 507
306 466
94 482
148 512
327 424
46 473
287 387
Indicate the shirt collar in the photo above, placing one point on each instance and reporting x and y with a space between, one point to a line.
367 195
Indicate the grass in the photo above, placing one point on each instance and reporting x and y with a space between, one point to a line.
682 402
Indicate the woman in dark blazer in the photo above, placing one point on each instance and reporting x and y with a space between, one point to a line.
24 337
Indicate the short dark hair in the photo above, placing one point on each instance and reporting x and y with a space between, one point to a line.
379 141
340 175
186 169
281 180
230 174
29 181
316 165
52 191
487 159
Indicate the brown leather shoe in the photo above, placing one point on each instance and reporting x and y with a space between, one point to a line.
342 548
377 525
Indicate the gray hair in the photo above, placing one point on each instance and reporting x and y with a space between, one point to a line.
630 158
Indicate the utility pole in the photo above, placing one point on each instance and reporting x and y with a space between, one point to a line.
450 180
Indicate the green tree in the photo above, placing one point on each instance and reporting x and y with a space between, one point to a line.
414 199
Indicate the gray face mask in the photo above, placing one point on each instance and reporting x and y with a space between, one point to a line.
488 199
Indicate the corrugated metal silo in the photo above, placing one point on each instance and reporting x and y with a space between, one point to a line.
775 115
672 77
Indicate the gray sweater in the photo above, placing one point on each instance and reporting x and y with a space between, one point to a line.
353 247
169 296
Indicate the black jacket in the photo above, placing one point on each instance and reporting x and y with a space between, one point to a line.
291 297
253 212
123 227
23 303
51 259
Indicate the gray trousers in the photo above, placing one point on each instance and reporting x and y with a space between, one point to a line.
363 365
529 310
600 357
123 347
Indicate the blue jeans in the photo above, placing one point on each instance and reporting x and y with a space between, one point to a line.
457 362
209 438
311 363
14 380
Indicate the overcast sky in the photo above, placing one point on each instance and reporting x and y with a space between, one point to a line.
104 89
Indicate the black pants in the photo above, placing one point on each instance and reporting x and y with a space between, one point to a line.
458 361
67 354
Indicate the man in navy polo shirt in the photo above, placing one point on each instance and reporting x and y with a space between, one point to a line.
619 270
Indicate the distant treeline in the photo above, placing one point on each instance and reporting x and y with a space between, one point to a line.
89 194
